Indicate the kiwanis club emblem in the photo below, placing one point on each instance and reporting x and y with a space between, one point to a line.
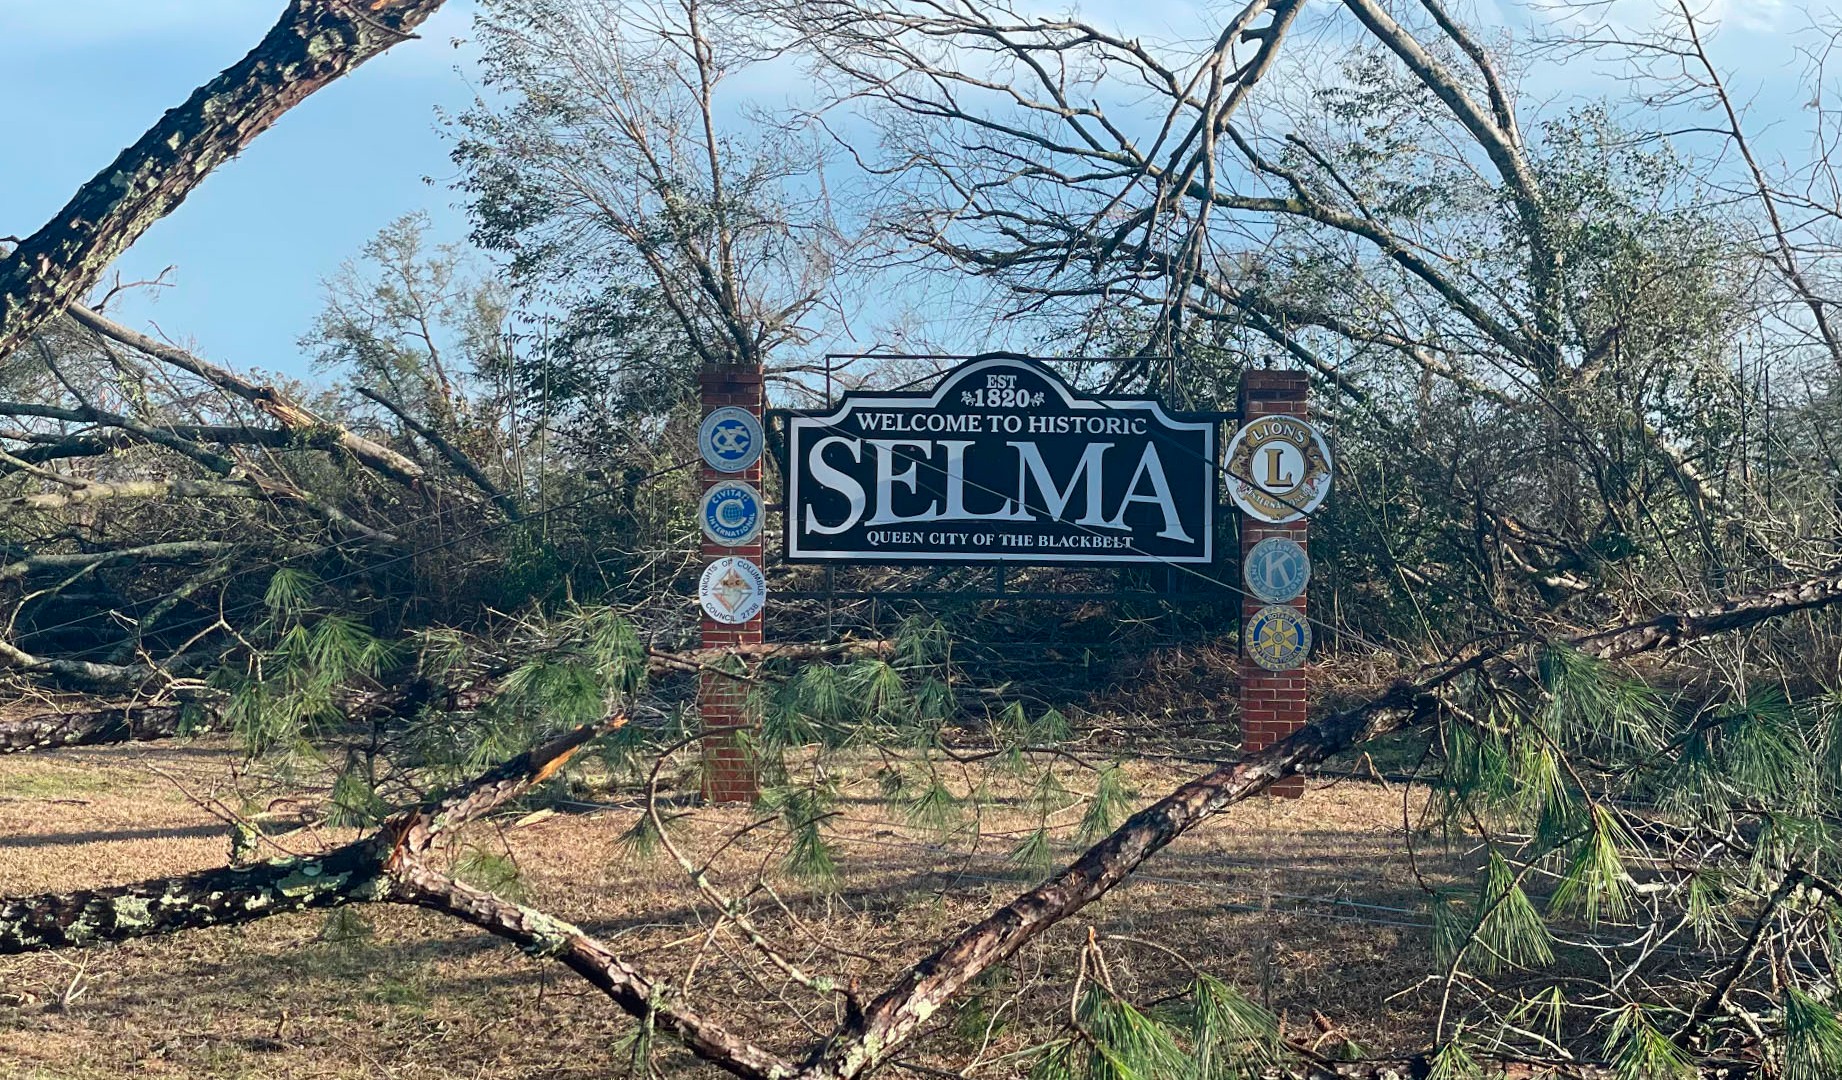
1278 638
1278 468
1276 570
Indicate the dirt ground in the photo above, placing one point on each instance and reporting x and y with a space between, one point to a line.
1310 905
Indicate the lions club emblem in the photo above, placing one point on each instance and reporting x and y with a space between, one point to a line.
1278 468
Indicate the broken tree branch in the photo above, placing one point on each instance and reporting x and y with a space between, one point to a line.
90 727
389 866
314 429
455 457
360 870
899 1012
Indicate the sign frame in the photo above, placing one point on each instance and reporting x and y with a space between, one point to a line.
790 425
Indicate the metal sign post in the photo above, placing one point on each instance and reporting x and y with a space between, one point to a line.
732 590
1278 473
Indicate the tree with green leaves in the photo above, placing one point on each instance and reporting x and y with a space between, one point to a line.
631 190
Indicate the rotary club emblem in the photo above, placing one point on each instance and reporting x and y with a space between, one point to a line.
1278 638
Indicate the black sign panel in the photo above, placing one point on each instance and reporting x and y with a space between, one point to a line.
1002 462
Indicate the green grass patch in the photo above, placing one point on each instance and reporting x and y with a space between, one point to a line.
49 781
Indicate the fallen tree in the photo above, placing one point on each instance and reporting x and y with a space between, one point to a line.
91 726
391 865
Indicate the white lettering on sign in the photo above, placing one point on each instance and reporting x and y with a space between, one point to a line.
838 481
1051 500
887 478
933 423
956 489
1151 467
1087 473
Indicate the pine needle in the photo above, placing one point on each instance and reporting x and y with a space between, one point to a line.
1812 1038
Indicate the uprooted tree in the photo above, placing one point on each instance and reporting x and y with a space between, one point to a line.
1523 338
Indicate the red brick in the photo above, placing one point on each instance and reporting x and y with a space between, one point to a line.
1272 703
725 702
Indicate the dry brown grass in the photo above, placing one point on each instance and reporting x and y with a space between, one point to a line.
424 996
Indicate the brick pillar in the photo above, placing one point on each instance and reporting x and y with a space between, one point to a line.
722 702
1272 702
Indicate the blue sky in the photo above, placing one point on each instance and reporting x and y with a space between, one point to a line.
250 247
84 78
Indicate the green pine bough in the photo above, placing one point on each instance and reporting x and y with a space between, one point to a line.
389 866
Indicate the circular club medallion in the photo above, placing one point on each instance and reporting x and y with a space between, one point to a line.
1278 638
730 439
732 590
1276 570
1278 468
731 513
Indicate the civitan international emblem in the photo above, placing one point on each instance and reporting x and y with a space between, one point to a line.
1002 461
1278 638
1278 468
731 513
732 590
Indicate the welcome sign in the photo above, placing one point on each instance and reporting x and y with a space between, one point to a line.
1001 462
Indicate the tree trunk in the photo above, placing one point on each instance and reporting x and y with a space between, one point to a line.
90 727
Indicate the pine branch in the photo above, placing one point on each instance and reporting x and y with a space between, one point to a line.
389 866
1717 997
899 1012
